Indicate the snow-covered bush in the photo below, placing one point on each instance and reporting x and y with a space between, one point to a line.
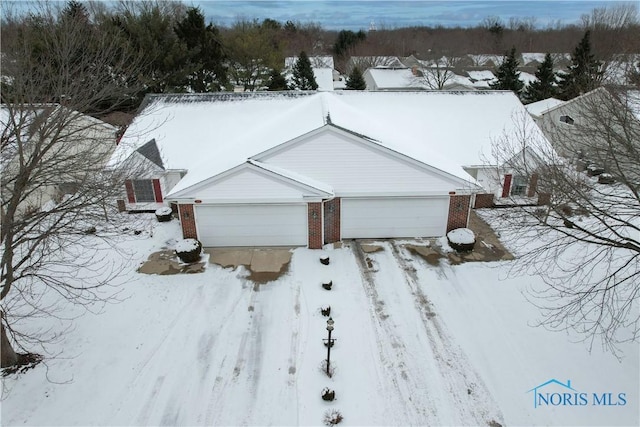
324 260
606 178
332 417
328 395
325 311
461 239
189 250
327 285
164 214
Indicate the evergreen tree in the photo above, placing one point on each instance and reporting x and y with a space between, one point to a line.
545 84
205 51
356 80
584 72
508 75
277 81
303 77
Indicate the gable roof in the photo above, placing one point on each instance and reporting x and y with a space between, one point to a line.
541 107
393 78
208 134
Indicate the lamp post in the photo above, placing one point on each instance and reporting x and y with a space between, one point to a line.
329 343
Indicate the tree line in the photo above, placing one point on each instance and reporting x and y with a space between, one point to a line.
181 52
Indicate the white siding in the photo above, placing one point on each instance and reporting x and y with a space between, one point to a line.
394 217
248 184
352 168
252 225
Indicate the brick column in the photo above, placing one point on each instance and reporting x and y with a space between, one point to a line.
332 220
131 195
121 205
314 221
506 187
533 185
458 211
188 222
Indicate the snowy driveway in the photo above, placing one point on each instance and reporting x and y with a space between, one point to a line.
214 349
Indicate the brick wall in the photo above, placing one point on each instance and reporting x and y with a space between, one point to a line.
483 201
315 225
458 211
188 222
332 220
121 205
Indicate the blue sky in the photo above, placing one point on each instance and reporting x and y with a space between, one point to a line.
354 15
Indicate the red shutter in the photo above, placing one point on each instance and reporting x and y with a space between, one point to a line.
131 195
506 188
157 192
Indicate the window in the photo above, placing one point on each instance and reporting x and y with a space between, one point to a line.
519 187
143 189
567 119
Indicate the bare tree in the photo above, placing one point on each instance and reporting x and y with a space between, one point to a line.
585 242
437 73
57 196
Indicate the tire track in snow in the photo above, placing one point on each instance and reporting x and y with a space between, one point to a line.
471 396
392 350
224 380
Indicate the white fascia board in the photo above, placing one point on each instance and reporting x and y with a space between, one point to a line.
206 202
306 189
403 194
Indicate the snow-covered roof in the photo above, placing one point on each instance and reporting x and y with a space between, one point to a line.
208 134
487 59
480 75
529 57
541 107
324 78
316 61
394 78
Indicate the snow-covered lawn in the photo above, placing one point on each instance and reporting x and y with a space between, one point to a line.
415 344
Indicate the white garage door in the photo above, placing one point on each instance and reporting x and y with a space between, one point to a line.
252 225
394 217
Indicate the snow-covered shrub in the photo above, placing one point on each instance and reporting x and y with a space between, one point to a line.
461 239
332 417
594 170
323 368
324 260
328 395
606 178
328 285
164 214
189 250
325 311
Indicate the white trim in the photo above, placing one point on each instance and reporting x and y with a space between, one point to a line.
303 186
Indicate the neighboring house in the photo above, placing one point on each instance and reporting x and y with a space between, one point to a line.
26 128
598 131
561 121
326 76
364 62
310 168
392 79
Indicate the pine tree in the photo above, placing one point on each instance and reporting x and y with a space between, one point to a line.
356 80
508 75
303 77
583 74
277 81
545 84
